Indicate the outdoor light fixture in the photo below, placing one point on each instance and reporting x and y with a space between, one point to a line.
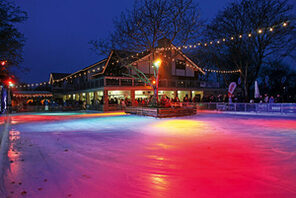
260 31
157 63
3 63
270 29
285 24
10 84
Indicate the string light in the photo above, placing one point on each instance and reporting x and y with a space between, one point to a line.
259 31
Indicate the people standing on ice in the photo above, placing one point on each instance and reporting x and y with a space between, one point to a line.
266 99
271 99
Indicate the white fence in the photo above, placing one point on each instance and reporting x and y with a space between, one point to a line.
283 108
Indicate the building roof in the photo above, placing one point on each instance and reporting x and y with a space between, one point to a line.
56 76
116 60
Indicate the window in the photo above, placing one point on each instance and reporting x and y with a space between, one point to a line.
180 64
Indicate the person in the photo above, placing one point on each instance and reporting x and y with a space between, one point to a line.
266 99
84 105
46 104
185 99
123 105
271 99
278 98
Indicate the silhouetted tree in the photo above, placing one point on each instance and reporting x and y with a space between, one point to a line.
278 78
11 40
140 28
267 32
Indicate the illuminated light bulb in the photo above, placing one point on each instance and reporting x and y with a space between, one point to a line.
206 44
260 31
285 24
232 38
270 29
249 35
240 36
218 42
198 44
211 42
157 63
194 46
224 40
179 48
190 46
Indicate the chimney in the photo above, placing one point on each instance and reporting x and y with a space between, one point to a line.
164 42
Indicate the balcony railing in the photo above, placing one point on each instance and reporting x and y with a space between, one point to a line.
131 82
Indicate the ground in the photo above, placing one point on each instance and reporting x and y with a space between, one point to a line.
116 155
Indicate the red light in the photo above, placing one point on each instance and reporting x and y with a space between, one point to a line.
3 63
9 83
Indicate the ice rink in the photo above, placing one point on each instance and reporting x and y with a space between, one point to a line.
60 155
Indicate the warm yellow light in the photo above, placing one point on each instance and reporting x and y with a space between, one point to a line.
285 24
157 63
232 38
240 36
179 127
250 35
259 31
270 29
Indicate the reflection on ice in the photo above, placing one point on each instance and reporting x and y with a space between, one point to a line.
93 155
179 127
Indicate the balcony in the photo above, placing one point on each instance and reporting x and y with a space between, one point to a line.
131 82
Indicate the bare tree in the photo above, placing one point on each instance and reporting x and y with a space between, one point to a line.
140 28
11 40
148 21
254 31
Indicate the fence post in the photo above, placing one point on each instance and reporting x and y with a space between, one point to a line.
282 109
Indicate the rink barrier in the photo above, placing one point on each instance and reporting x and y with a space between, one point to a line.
279 108
4 144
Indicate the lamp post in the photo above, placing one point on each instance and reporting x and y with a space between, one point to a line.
156 65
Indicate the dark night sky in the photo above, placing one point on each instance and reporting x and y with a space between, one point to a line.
58 32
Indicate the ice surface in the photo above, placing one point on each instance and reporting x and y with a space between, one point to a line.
117 155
